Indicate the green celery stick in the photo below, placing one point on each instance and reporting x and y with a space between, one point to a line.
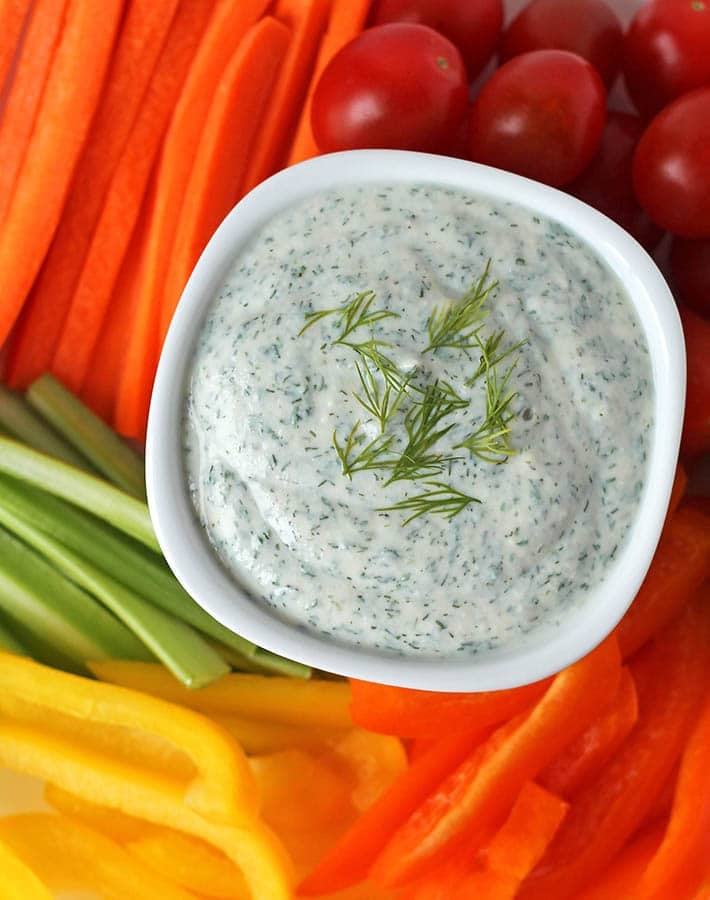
19 420
9 643
104 500
115 554
34 592
263 662
189 657
43 652
88 434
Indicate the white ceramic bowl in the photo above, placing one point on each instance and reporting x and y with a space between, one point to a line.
184 543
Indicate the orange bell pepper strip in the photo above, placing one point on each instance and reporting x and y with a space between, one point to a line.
683 859
471 805
369 762
68 856
291 701
581 760
429 714
350 859
621 877
671 678
681 564
256 737
18 880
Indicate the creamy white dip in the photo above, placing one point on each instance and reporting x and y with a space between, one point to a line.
263 402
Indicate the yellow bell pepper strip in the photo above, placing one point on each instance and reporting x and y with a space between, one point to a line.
474 801
323 704
68 856
115 825
62 729
257 737
173 754
17 881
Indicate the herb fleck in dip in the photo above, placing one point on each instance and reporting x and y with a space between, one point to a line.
265 399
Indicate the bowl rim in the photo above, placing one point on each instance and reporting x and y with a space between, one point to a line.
184 542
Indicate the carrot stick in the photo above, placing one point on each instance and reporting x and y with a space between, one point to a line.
223 153
681 564
101 385
347 19
12 16
142 36
228 25
307 20
25 93
125 195
68 103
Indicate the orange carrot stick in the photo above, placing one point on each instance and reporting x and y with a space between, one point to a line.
125 196
141 39
25 94
223 153
347 19
12 16
230 22
101 385
68 103
307 19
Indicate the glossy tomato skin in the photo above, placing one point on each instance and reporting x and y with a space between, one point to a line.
398 86
541 115
606 183
667 52
473 25
690 272
589 28
671 169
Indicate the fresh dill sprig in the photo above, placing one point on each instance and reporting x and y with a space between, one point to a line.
441 500
421 423
356 458
491 441
353 315
370 350
382 404
458 324
492 354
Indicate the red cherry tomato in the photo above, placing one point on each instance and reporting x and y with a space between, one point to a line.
589 28
690 271
667 52
696 426
473 25
671 169
397 86
541 115
606 183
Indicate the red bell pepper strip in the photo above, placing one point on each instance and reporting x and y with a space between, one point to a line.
683 859
620 879
474 802
680 566
429 714
350 859
584 758
680 484
671 678
696 426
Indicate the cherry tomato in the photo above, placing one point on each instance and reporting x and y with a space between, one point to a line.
541 115
671 169
667 52
696 425
690 271
586 27
606 184
473 25
399 86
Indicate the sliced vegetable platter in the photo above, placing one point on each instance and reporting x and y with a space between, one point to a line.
145 751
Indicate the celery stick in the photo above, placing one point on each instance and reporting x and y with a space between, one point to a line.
20 421
104 500
115 554
43 652
9 643
34 592
179 647
263 662
88 434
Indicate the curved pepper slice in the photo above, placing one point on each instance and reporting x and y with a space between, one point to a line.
581 760
411 713
671 678
19 882
474 802
621 877
323 704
